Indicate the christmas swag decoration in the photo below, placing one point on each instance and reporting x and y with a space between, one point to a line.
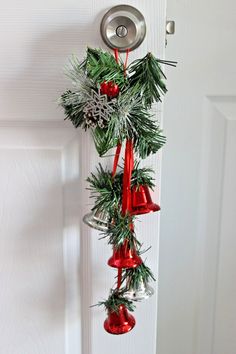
114 100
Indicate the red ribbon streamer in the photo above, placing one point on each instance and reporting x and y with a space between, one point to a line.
128 167
126 192
119 278
116 53
116 160
126 60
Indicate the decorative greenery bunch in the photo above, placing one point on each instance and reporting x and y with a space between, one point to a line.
107 194
125 114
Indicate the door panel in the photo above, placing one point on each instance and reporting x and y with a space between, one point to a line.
31 252
225 317
217 308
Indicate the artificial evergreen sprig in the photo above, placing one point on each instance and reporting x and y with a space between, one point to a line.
101 66
135 276
131 120
73 108
107 191
120 230
115 300
142 176
130 117
80 80
146 74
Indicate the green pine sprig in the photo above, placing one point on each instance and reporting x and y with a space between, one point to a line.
101 66
135 276
147 75
115 300
142 176
107 191
120 231
73 108
130 120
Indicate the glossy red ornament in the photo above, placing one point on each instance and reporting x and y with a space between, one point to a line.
119 322
104 88
124 257
141 201
110 89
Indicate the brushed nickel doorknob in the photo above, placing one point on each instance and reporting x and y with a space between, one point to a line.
123 27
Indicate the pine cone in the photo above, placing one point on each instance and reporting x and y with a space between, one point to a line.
90 120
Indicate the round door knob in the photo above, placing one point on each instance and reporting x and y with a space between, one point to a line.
123 27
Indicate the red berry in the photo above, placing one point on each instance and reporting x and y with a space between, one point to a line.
110 89
104 88
113 89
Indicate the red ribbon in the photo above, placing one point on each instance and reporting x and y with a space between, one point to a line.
116 159
116 53
128 167
126 60
126 192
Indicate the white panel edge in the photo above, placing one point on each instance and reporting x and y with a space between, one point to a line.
71 248
207 258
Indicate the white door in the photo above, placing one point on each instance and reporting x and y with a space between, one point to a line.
197 271
52 267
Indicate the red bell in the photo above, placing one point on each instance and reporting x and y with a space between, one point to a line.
119 322
141 201
124 257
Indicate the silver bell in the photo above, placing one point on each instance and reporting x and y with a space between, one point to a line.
97 220
141 292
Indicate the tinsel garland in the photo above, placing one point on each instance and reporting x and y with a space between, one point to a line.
114 101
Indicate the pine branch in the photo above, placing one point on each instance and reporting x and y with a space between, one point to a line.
135 276
73 108
107 191
147 75
115 300
120 231
74 101
142 176
104 140
130 121
102 66
148 142
80 80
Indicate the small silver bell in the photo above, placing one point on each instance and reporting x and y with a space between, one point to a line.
97 220
141 292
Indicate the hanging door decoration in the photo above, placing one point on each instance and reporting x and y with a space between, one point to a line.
113 100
